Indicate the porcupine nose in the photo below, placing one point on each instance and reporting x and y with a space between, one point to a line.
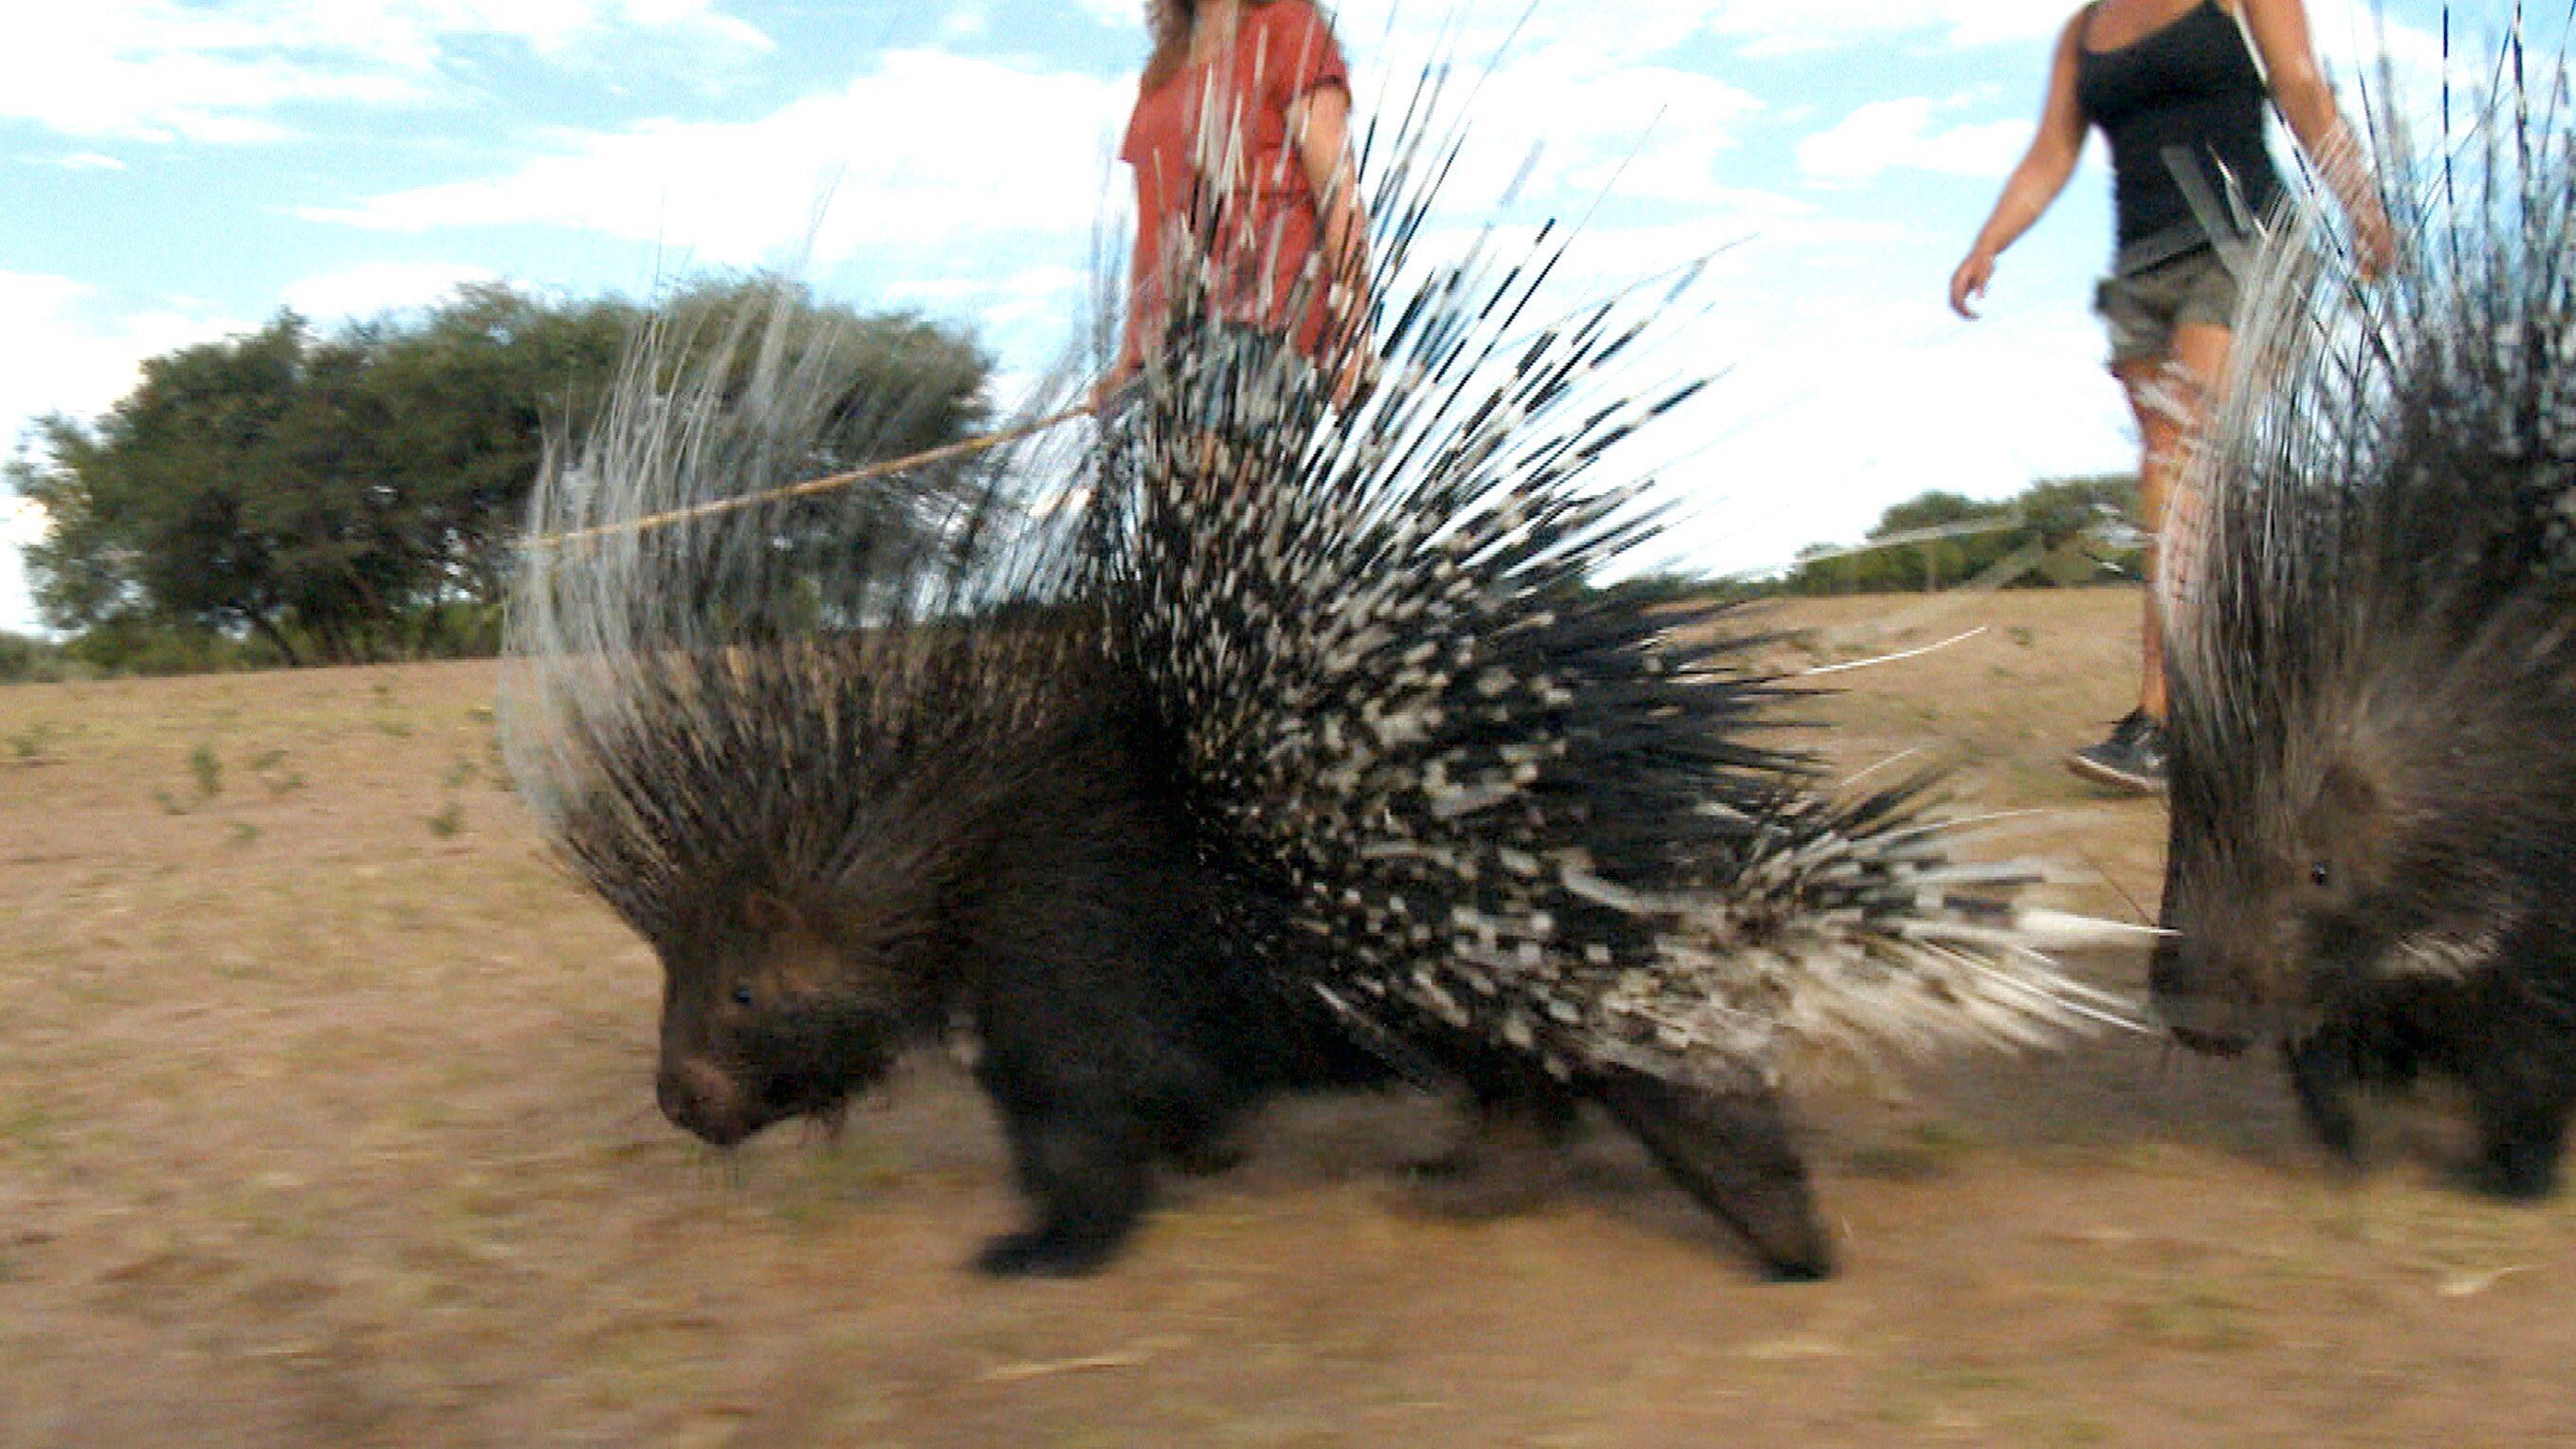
700 1100
2179 983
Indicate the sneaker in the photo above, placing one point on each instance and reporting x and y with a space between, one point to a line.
2133 758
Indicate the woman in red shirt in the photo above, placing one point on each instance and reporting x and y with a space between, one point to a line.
1240 143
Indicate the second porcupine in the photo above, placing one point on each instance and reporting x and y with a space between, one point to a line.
2373 854
1305 733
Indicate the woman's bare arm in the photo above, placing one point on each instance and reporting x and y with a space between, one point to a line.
2280 30
2036 182
1321 122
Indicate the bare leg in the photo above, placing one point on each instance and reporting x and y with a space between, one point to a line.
2168 396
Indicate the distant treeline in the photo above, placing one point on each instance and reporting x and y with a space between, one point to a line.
292 498
2057 533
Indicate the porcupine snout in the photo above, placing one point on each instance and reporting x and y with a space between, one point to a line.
2192 998
2207 975
703 1101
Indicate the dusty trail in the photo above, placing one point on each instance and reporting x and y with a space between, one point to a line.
325 1119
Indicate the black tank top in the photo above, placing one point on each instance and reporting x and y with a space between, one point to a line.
2190 89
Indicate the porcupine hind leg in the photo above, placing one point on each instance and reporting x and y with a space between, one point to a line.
1733 1152
1513 1156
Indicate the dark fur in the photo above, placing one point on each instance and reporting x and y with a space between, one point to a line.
2315 906
1065 919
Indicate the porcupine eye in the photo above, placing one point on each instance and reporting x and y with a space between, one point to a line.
2319 876
742 994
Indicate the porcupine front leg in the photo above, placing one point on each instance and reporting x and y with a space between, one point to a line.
2521 1138
2521 1079
2321 1072
1733 1152
1066 1063
1085 1171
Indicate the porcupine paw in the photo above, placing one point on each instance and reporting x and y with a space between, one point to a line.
2522 1129
1734 1155
2324 1085
1046 1252
1209 1152
1777 1217
1511 1160
1809 1267
2517 1167
1085 1176
1508 1168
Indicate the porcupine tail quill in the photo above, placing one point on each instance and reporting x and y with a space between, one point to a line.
1495 799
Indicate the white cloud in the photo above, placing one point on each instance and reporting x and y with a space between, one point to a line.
162 70
21 523
378 287
1122 14
1637 132
1003 303
17 607
1640 29
1855 405
1895 136
931 148
1773 26
66 357
82 161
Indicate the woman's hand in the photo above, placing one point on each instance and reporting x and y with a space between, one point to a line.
1969 282
1355 379
2374 246
1104 393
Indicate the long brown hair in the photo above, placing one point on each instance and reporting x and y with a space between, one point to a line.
1172 21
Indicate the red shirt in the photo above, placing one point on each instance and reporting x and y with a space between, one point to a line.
1265 214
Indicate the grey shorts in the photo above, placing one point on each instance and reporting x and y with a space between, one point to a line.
2141 311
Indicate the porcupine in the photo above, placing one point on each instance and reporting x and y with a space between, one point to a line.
1292 745
851 792
2373 852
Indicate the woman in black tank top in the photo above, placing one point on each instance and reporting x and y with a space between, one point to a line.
2178 88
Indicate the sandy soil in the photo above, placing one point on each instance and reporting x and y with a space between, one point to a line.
325 1118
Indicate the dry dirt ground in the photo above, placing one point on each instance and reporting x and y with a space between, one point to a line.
325 1119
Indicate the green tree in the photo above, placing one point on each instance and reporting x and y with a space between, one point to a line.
2057 532
157 510
460 408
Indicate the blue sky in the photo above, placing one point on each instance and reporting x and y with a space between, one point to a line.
178 170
